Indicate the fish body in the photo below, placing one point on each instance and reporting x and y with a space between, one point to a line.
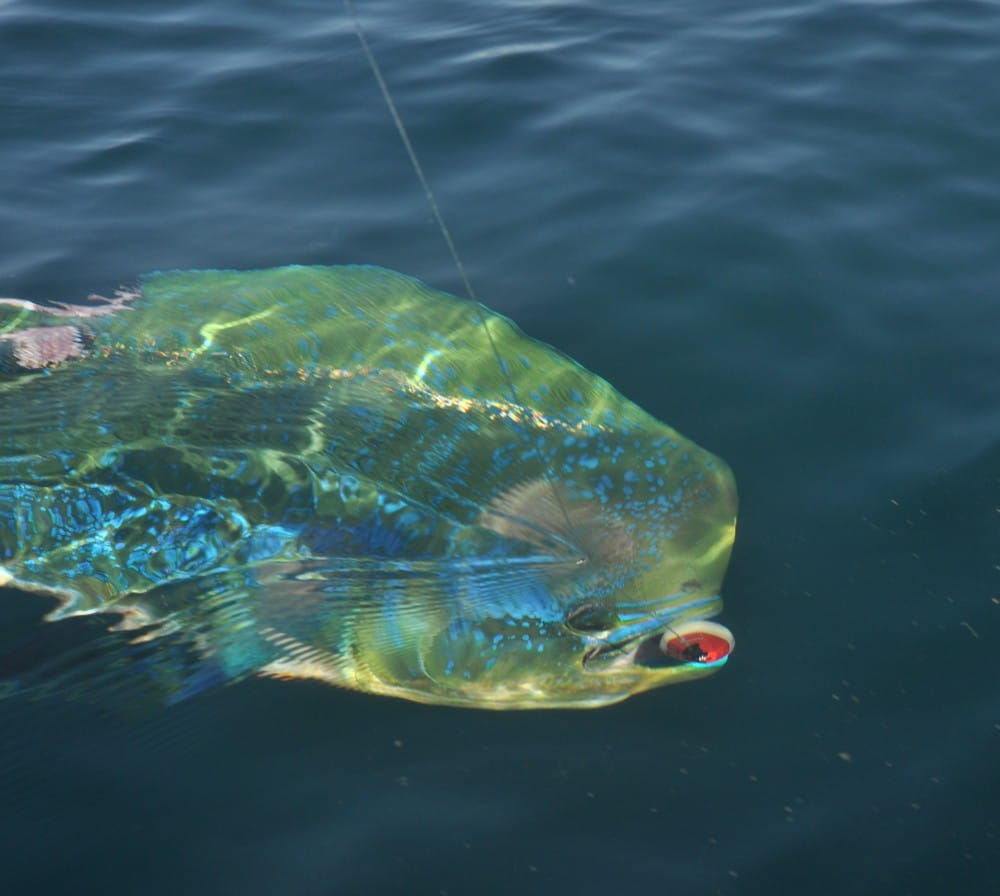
340 473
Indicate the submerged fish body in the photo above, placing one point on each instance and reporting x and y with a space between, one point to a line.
339 473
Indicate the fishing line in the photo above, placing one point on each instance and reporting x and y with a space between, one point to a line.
417 167
466 282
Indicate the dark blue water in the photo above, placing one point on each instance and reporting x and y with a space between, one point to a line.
774 225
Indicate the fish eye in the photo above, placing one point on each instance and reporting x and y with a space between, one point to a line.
591 618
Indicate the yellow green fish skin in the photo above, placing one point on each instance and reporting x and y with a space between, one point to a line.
340 473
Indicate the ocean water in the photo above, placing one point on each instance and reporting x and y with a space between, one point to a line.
775 226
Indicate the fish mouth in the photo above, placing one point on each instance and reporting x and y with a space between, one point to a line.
696 642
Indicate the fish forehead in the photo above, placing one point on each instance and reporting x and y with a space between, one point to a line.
361 317
445 352
356 319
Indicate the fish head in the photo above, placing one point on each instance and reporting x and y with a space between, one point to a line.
596 587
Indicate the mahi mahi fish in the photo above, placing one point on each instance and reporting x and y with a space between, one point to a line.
339 473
